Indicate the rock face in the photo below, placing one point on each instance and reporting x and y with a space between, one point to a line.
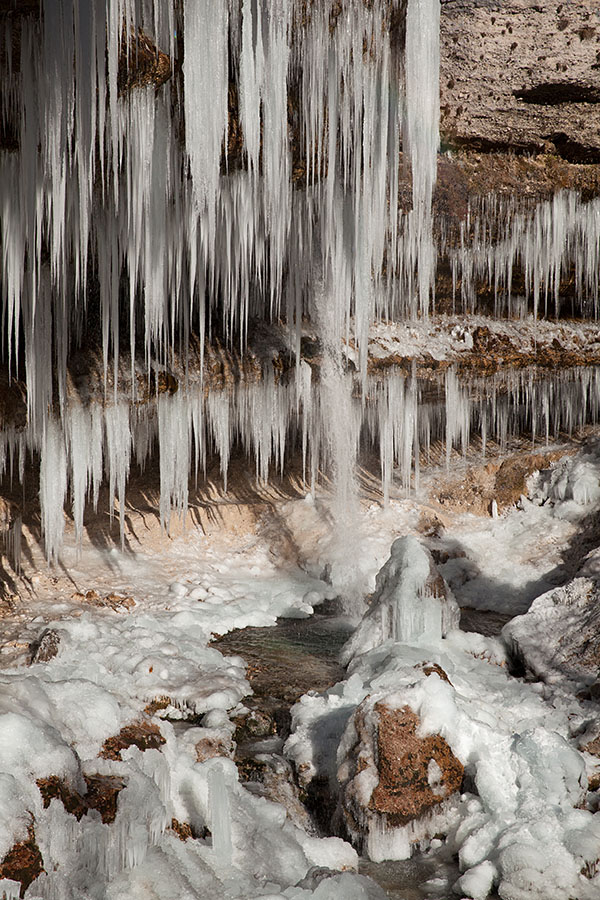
412 603
393 782
522 74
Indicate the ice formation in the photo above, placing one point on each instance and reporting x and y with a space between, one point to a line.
524 832
106 211
410 604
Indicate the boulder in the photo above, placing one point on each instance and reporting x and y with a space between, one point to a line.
394 784
559 637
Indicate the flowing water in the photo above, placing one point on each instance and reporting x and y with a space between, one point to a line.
300 655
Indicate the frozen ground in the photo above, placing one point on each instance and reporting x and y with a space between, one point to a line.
527 828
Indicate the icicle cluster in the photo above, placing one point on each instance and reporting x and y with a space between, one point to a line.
260 183
126 204
408 419
556 239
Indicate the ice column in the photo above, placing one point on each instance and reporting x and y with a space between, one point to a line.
220 823
421 135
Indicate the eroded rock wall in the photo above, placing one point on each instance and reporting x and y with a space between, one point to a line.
522 75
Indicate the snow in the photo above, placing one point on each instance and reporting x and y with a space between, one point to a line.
522 832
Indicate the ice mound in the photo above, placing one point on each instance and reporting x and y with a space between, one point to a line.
412 603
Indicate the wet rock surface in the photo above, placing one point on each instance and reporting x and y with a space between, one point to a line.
284 662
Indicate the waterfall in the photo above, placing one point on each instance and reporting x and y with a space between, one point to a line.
259 183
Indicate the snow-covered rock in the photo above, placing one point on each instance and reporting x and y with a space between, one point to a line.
559 637
394 782
412 603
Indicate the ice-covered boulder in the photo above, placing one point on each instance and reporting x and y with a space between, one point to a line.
394 784
412 603
559 637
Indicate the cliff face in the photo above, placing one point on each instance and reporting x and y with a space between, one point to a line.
522 75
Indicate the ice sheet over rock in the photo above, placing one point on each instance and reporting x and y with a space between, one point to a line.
411 603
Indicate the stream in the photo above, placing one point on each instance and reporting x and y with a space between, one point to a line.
286 661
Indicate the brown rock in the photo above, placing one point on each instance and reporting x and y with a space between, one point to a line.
412 777
23 862
141 63
404 791
182 829
512 475
46 646
433 668
156 705
144 735
102 795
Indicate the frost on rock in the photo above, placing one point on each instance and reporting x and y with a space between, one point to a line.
558 639
412 603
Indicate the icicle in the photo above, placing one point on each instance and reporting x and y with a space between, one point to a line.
205 72
53 488
422 131
220 824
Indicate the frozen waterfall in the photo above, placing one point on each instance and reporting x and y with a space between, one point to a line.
260 183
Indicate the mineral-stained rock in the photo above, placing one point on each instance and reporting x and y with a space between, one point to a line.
144 735
393 782
102 795
23 862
